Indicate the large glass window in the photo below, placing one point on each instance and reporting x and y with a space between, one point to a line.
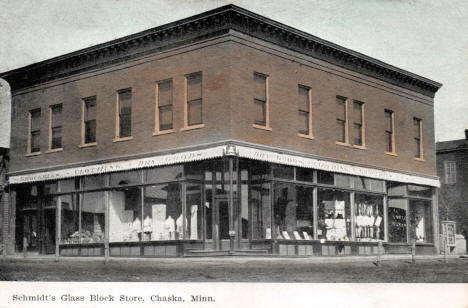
163 219
125 222
334 215
164 174
421 221
92 217
369 215
397 232
193 222
70 219
293 211
261 211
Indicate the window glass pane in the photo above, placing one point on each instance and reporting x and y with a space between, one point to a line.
90 109
259 170
396 189
283 172
69 217
35 141
195 112
90 131
293 209
369 224
419 191
194 86
125 113
163 213
193 224
50 188
261 211
69 185
260 112
343 180
357 112
304 174
126 124
341 130
56 138
56 115
341 108
388 121
397 220
325 177
303 101
35 120
389 142
125 223
196 170
94 182
165 93
125 178
334 215
260 87
416 127
421 221
303 122
92 217
357 133
164 174
165 117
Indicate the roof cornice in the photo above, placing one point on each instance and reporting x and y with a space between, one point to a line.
210 24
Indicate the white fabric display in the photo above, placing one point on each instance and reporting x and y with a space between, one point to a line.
180 226
286 235
147 224
136 225
306 235
159 217
268 233
378 221
297 236
96 225
194 222
169 228
339 208
329 223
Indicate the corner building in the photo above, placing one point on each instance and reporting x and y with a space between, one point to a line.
222 133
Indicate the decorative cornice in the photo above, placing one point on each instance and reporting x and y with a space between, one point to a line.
207 25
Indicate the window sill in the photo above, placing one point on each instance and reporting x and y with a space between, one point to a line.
306 136
419 159
192 127
391 153
163 132
54 150
118 139
87 145
343 144
360 147
33 154
262 127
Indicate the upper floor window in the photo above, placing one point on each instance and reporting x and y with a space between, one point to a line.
450 172
88 121
390 132
124 114
55 127
359 129
34 131
193 107
305 111
261 101
342 120
418 142
164 113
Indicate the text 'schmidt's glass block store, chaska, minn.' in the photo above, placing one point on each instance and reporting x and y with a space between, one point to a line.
222 133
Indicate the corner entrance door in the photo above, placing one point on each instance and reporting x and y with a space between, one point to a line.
217 223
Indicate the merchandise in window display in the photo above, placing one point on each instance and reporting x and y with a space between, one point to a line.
169 229
334 226
159 218
368 222
147 228
179 228
193 222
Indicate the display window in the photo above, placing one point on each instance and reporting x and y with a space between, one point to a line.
293 211
369 218
93 217
260 203
94 182
397 225
334 215
193 215
125 215
163 219
420 221
125 178
70 218
164 174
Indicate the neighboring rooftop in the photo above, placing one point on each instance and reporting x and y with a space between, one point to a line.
211 24
453 145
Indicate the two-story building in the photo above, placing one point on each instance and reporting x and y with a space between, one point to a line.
225 132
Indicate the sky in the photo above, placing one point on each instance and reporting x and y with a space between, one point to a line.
426 37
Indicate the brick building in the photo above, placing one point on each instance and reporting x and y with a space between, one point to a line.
225 132
452 168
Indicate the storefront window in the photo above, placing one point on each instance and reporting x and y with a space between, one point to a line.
70 220
69 185
94 182
304 175
125 224
334 215
283 172
368 184
162 213
369 224
421 221
92 217
259 170
125 178
261 211
396 189
193 225
293 211
325 177
343 180
397 220
164 174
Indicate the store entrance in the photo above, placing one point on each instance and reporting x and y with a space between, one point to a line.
30 231
222 224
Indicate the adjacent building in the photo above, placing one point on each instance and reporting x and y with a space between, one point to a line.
222 133
452 168
5 114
